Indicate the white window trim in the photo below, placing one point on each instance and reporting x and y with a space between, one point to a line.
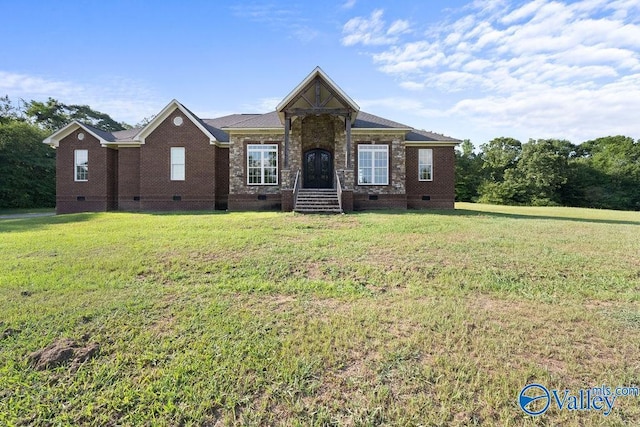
373 148
419 165
263 148
173 163
75 165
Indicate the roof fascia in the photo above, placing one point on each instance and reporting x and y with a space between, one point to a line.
432 143
254 130
380 130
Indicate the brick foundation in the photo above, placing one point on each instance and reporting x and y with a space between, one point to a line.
370 201
255 202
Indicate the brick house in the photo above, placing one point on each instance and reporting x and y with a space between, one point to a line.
316 152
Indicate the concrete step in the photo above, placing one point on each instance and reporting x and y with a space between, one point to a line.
320 200
324 197
323 200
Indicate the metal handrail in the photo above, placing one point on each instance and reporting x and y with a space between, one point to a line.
339 190
295 188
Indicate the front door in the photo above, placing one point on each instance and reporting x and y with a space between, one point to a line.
318 169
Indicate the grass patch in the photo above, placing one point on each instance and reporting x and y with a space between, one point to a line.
386 318
26 211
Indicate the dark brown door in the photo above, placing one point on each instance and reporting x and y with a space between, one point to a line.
318 169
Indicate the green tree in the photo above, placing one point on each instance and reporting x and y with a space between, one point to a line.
48 115
542 171
8 112
103 121
27 167
607 173
468 172
498 155
52 115
525 174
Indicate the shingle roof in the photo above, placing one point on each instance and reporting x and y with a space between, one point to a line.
230 120
107 136
125 135
219 127
271 120
367 120
258 121
423 135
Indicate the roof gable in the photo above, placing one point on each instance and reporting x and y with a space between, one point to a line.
166 112
102 136
317 92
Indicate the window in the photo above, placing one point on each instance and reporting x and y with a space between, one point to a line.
373 164
81 160
425 164
177 163
262 164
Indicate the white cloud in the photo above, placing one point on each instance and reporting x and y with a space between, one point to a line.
34 85
287 19
123 99
412 85
545 66
263 105
349 4
371 30
525 11
399 103
399 27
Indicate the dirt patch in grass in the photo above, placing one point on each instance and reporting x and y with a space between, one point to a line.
64 351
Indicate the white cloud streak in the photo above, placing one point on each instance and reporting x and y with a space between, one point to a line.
373 30
123 99
543 68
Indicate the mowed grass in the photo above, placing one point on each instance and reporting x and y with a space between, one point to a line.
380 318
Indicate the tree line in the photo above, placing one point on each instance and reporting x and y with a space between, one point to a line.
600 173
27 166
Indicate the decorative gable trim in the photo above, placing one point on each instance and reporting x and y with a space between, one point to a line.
317 72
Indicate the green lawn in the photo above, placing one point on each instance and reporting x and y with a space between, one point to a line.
378 318
4 212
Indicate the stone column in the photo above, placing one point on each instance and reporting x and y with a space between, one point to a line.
349 179
287 131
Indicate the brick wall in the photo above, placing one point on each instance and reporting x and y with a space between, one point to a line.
129 179
369 201
112 179
255 202
96 194
157 190
222 178
440 191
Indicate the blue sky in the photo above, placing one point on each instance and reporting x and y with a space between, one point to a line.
470 69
